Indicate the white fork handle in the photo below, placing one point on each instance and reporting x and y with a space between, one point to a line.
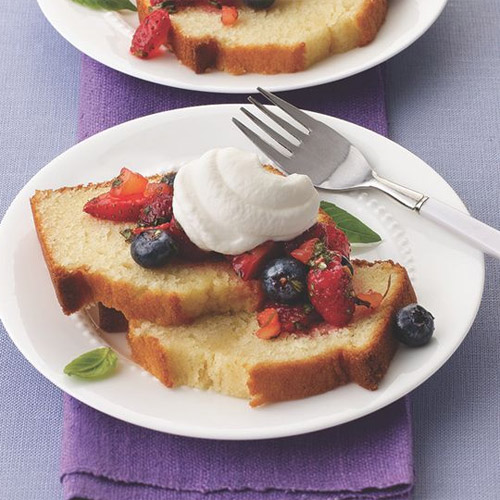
475 232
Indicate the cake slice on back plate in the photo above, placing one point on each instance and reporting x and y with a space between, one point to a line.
289 36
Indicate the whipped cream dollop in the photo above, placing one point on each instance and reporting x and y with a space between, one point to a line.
227 202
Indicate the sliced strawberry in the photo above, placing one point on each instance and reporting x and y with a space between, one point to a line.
335 239
108 207
296 318
314 232
128 183
151 34
187 249
269 323
157 188
328 232
306 251
320 256
229 15
331 293
248 265
369 299
157 211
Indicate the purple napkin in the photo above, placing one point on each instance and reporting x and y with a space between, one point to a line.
370 458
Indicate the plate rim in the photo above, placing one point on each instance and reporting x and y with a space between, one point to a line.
158 424
116 64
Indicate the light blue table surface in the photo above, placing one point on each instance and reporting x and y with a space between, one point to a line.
443 98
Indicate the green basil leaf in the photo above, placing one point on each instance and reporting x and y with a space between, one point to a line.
355 230
107 4
94 364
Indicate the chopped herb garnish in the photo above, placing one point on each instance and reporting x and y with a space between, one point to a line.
308 308
169 178
169 6
297 285
127 234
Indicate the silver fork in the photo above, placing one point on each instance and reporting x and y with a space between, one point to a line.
333 163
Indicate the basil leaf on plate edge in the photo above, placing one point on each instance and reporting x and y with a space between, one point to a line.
107 4
355 230
94 364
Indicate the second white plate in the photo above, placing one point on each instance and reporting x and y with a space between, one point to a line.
439 265
106 37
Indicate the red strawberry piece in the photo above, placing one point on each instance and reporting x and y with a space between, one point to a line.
128 183
335 239
296 318
229 15
314 232
331 293
151 34
269 323
157 211
248 265
187 249
156 188
108 207
322 257
369 299
306 251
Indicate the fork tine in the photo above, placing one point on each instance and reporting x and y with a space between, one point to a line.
288 108
265 147
270 132
293 131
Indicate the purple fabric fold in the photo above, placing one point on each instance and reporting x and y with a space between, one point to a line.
370 458
108 98
366 459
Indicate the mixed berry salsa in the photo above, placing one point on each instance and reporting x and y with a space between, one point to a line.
154 29
306 280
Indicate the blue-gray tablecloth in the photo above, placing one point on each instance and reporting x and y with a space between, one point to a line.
443 104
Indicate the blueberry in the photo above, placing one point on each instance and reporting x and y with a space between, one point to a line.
258 4
414 325
153 248
284 280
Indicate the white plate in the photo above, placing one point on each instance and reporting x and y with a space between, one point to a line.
447 274
106 37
